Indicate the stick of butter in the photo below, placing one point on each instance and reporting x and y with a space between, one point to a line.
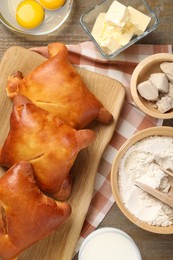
138 19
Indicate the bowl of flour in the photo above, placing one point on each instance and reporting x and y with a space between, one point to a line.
139 160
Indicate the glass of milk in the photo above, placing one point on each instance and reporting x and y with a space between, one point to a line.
109 244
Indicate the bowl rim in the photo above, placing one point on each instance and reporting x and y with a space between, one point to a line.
154 58
31 33
131 42
159 131
103 230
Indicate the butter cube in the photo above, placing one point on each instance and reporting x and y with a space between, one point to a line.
99 26
108 31
112 39
138 19
117 14
105 34
110 44
124 38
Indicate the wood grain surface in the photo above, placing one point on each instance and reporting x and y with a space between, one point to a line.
152 246
61 244
71 32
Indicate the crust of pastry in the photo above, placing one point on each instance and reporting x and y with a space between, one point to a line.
49 144
26 214
57 87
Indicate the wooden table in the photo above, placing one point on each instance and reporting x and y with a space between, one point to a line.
152 246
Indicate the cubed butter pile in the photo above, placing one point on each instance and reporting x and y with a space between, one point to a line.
114 29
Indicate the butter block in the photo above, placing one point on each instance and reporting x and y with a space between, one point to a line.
99 26
138 19
109 37
124 38
108 31
109 44
105 34
117 14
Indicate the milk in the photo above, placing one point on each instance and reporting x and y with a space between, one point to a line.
109 244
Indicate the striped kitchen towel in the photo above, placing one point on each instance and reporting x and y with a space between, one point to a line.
131 120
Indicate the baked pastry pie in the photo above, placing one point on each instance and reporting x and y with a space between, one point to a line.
49 144
26 214
57 87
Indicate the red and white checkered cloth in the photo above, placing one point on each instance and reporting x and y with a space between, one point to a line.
131 119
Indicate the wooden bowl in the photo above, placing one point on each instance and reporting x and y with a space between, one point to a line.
153 131
141 73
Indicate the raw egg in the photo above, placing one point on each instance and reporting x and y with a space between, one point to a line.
29 14
52 4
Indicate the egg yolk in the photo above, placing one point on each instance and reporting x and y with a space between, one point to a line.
52 4
29 14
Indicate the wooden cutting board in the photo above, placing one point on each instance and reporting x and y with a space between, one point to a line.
60 245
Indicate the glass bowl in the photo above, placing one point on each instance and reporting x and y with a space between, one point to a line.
52 21
88 19
109 243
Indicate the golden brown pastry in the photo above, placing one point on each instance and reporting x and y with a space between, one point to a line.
49 144
57 87
26 214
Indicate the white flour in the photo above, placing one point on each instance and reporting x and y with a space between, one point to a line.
137 165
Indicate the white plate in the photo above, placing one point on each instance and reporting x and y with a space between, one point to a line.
53 19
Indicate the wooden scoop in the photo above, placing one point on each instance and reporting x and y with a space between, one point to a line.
164 197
